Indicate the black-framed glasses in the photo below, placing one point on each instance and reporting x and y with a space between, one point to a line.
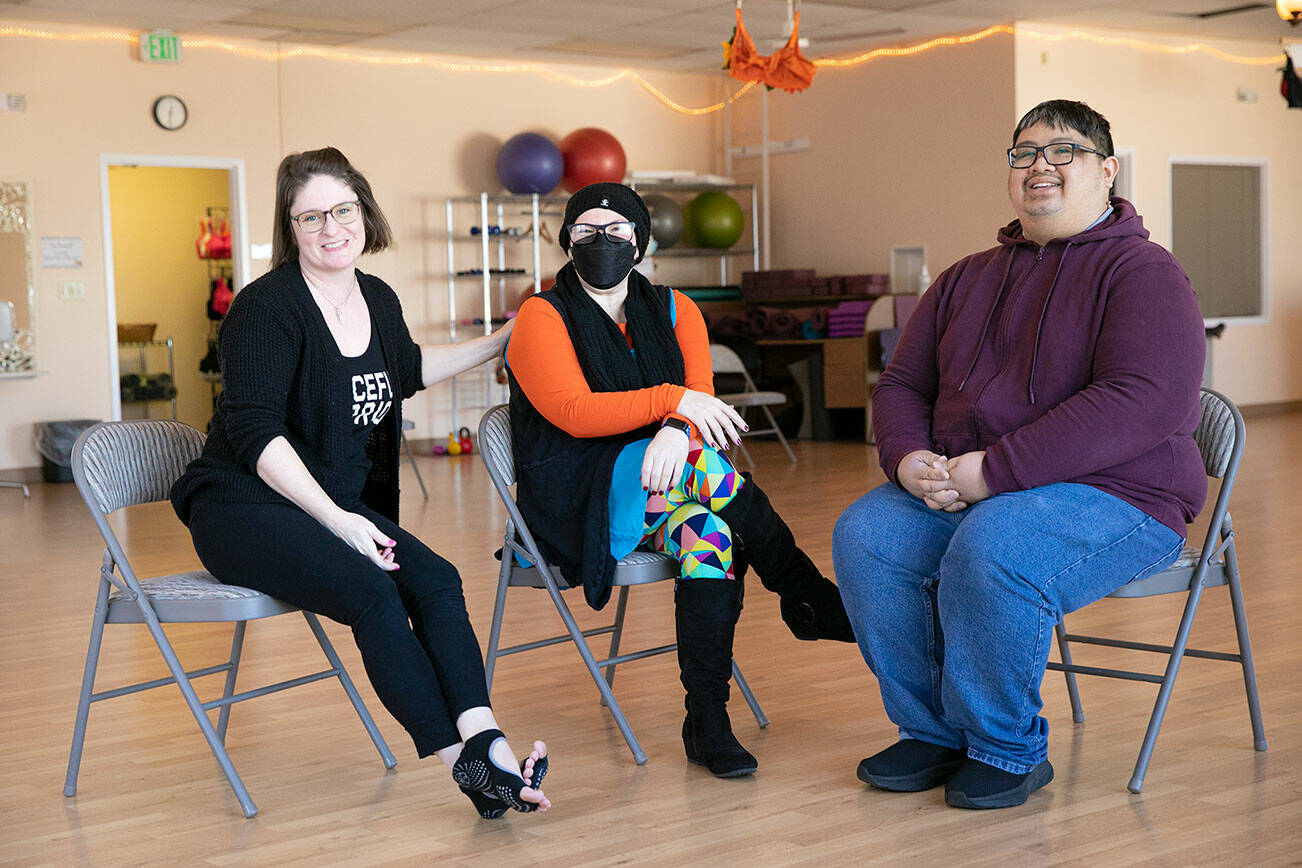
314 221
586 233
1056 154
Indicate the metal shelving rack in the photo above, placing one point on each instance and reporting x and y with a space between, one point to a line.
491 261
725 254
478 389
143 347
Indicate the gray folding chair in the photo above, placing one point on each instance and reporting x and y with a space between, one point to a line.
639 568
724 361
121 464
408 425
1219 436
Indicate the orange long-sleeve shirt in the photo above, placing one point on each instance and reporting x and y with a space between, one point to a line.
545 365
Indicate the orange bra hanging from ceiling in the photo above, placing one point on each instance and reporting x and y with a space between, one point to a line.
786 68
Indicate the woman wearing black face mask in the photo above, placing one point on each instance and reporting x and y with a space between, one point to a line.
619 442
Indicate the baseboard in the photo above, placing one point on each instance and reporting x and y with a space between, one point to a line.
21 474
1256 411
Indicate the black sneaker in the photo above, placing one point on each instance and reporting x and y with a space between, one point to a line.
910 766
978 785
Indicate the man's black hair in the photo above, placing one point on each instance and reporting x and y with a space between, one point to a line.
1066 114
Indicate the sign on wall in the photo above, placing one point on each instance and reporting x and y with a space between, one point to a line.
61 251
160 46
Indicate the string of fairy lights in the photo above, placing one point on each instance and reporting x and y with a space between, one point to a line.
543 70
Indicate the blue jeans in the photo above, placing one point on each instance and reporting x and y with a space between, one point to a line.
954 612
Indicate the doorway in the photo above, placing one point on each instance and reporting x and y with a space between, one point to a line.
173 244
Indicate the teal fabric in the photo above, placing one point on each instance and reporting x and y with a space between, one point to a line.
627 499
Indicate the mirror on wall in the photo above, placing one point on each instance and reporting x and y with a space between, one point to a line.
17 285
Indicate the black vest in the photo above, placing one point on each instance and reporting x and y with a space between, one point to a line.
563 482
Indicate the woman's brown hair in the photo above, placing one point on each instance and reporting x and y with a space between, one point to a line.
295 171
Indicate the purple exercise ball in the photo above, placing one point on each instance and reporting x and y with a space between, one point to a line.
529 163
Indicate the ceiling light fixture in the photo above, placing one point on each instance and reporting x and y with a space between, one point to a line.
1290 11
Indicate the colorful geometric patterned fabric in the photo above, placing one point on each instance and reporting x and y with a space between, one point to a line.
699 540
682 522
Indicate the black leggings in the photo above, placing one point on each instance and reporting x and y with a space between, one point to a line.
410 625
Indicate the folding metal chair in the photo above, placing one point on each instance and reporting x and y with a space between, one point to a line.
1219 435
121 464
724 361
408 455
639 568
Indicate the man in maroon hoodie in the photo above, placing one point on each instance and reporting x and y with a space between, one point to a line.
1036 426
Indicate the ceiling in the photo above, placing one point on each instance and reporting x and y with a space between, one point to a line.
666 34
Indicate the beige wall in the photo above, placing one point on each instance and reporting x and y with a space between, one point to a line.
1165 105
84 100
902 151
419 134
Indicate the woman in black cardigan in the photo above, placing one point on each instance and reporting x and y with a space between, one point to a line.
296 491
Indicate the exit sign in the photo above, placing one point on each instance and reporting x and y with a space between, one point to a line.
160 46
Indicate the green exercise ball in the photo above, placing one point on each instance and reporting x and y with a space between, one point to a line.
714 219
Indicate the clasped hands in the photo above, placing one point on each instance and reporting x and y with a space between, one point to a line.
948 484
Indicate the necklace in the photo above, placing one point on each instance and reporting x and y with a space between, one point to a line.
319 293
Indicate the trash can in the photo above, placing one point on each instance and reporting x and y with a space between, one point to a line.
54 441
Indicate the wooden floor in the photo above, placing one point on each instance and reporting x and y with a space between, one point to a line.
150 792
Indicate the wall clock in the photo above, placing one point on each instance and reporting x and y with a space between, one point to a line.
170 112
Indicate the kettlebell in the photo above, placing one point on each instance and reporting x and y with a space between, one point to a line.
467 445
454 445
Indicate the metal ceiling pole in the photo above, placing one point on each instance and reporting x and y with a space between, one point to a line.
764 179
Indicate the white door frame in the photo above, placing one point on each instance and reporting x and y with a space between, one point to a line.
239 247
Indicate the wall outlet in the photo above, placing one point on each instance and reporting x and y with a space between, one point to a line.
72 291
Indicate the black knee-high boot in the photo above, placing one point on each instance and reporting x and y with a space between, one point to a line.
705 613
811 604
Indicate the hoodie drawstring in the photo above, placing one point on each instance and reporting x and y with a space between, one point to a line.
1012 252
1039 326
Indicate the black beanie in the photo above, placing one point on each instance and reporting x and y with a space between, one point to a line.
616 197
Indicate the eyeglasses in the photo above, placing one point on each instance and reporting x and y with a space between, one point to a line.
314 221
1056 154
586 233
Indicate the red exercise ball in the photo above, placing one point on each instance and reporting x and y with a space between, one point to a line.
591 155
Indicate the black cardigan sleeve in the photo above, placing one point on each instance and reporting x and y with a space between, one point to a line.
260 349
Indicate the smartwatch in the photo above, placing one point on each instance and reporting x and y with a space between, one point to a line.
681 424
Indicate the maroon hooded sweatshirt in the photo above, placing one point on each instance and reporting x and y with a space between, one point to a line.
1076 362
